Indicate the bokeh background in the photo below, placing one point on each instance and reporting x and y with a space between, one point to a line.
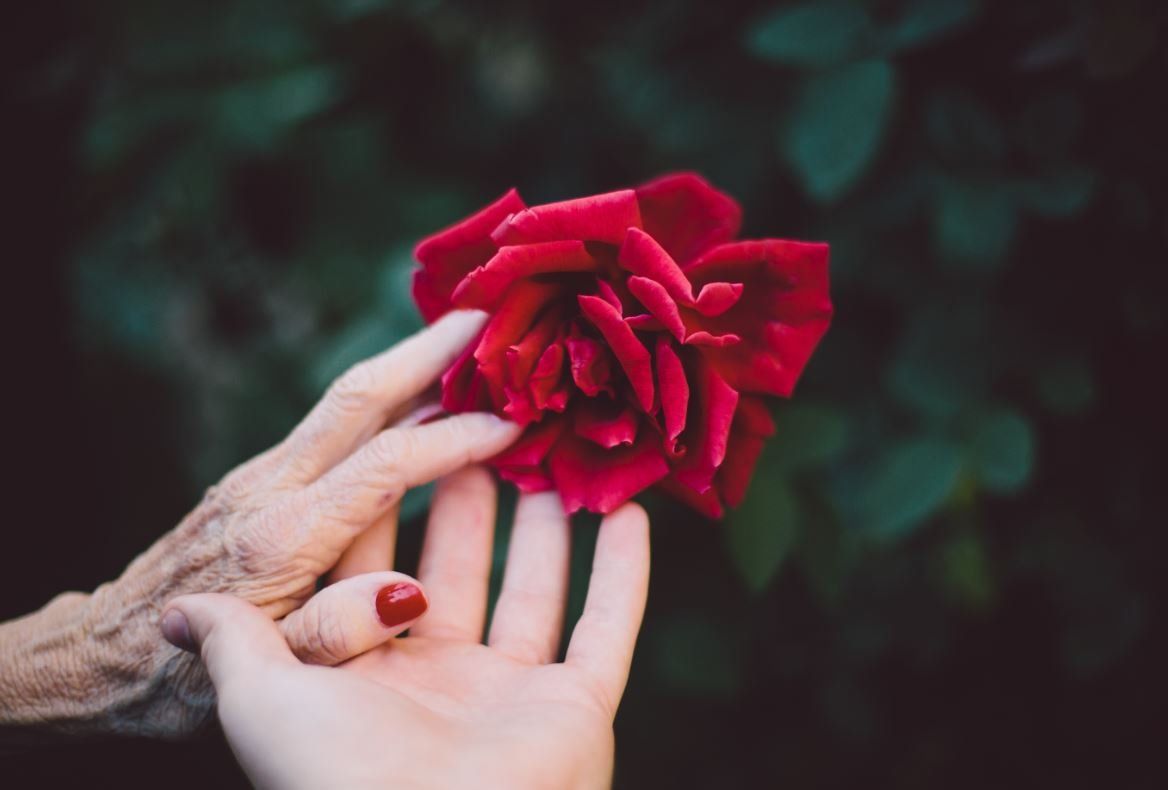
949 567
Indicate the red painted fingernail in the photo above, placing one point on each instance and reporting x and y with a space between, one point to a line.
399 603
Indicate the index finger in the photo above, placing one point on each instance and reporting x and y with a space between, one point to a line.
606 633
344 502
358 403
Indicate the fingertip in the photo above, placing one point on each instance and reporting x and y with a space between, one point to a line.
400 603
491 427
631 513
466 315
353 616
461 322
176 629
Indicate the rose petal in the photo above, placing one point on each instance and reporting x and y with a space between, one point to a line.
510 322
708 432
432 302
590 365
529 480
797 270
522 357
674 389
462 385
687 215
633 356
717 298
659 304
558 401
645 323
601 480
519 406
545 379
783 313
449 254
704 338
706 503
606 422
754 417
603 217
523 463
484 286
605 291
752 425
641 255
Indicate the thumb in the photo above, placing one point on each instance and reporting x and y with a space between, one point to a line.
232 636
353 616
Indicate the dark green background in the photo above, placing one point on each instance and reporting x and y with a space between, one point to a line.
948 569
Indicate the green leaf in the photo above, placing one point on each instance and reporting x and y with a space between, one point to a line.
965 571
924 21
907 485
810 435
763 530
961 130
255 113
809 34
394 299
1001 450
974 224
827 554
1058 195
837 124
941 361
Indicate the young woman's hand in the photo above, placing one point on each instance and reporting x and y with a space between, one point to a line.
440 708
323 499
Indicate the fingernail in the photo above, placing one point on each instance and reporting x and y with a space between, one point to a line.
176 630
399 603
467 314
496 423
421 415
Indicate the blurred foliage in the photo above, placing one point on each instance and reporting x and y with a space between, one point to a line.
942 546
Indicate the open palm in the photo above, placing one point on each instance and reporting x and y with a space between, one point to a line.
440 708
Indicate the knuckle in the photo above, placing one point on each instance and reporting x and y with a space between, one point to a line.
395 449
258 540
457 441
235 487
320 637
354 390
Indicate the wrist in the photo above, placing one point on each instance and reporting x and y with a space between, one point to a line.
42 665
96 664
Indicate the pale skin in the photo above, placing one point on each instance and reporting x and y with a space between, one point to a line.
440 708
322 502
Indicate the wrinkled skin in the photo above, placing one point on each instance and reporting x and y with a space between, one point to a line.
323 501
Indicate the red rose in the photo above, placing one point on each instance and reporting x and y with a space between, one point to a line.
630 334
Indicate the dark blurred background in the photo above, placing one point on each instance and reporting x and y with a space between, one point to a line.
949 568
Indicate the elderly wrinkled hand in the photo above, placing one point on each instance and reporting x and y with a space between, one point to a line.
323 501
